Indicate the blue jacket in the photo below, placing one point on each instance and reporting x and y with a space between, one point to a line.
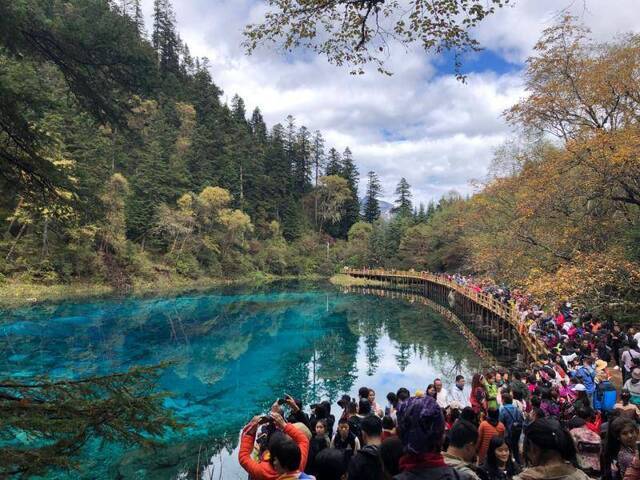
510 414
587 375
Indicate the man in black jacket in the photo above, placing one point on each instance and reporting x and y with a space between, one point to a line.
366 464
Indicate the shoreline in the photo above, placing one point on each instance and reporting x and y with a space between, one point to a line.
16 294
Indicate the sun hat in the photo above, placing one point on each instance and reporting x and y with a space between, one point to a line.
601 364
579 388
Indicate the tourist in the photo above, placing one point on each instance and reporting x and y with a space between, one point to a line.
633 386
431 391
625 408
391 451
629 357
375 408
392 398
282 440
513 420
489 428
330 465
442 396
354 420
285 457
345 440
461 451
550 453
388 428
548 404
366 463
296 414
421 430
478 397
403 394
491 389
319 442
619 448
517 385
459 396
586 442
582 400
322 411
587 375
499 464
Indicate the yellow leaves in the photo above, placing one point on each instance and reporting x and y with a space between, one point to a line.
214 198
590 280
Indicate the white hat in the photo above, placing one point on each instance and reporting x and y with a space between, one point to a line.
579 388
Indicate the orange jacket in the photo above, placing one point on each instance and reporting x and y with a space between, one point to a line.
264 470
485 433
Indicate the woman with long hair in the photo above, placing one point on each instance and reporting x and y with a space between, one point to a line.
478 396
499 464
550 453
619 448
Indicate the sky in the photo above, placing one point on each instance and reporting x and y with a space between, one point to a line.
420 123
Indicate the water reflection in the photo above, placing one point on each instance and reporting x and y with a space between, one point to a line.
235 351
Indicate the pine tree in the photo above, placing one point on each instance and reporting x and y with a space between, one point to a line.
421 217
302 164
349 171
334 163
403 206
371 202
318 155
138 18
258 127
165 40
238 109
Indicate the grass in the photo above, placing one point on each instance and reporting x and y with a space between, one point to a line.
342 280
16 293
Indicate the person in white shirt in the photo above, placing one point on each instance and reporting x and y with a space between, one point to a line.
459 394
442 397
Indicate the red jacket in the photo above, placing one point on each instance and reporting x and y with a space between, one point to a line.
264 470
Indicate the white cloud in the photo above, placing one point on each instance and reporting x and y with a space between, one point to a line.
434 130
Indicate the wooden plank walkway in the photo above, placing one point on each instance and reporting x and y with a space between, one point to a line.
507 312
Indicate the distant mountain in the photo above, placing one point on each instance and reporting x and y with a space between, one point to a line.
385 208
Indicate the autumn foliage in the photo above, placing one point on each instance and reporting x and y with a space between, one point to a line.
561 211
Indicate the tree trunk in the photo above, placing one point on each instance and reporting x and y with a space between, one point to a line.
13 220
45 239
22 229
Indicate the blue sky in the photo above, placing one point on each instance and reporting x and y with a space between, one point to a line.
420 123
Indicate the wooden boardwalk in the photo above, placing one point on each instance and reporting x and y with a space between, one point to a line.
469 301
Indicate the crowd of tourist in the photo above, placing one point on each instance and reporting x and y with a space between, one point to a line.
558 418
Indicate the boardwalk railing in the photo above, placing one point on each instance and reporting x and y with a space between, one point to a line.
507 312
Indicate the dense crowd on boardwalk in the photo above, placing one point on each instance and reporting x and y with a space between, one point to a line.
558 418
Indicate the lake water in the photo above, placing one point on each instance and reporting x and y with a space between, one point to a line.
235 351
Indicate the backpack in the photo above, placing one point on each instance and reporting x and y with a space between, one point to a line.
515 425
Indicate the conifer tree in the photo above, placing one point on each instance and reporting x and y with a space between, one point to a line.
334 163
302 163
349 172
258 127
403 206
238 109
165 39
371 201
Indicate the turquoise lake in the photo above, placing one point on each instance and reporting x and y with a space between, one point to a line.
235 351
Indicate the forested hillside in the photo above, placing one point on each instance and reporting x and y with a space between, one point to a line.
120 162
